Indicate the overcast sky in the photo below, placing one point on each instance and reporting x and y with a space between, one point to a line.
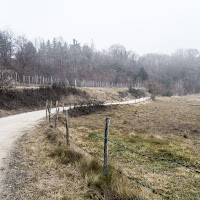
140 25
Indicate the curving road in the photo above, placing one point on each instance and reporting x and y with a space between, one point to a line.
13 127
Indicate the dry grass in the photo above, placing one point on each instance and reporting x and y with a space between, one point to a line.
108 94
51 170
99 94
168 128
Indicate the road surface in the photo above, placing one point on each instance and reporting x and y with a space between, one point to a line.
13 127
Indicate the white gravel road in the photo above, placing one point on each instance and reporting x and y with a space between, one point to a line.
13 127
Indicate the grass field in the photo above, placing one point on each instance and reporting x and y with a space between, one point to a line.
167 128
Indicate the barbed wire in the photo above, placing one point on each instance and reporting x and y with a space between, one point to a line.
150 157
133 179
61 133
62 122
144 155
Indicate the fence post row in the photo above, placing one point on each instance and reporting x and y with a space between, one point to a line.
41 80
105 168
67 128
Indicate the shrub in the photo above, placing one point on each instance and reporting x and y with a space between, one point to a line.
137 93
86 108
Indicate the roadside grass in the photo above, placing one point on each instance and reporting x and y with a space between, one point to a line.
54 170
168 128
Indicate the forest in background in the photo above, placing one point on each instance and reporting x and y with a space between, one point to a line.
177 73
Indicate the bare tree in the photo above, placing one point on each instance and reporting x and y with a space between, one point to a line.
154 89
5 80
25 53
6 47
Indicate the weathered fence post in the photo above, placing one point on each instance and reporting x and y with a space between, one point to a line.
46 109
49 109
29 81
63 107
105 167
56 120
56 106
16 80
67 128
50 106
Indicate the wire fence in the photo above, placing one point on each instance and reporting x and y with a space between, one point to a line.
122 173
110 166
150 157
126 149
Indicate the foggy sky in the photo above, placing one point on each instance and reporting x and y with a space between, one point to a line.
143 26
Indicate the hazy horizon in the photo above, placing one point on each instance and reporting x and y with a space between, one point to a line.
142 26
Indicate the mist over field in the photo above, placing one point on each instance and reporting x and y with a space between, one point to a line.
99 99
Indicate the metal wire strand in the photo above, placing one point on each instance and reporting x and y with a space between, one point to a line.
150 157
133 179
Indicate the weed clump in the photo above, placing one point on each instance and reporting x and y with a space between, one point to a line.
110 187
66 155
53 136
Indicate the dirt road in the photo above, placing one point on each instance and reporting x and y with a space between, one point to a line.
13 127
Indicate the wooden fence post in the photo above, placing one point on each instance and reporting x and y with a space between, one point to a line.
56 106
49 109
29 81
67 128
105 167
46 109
16 80
50 106
56 120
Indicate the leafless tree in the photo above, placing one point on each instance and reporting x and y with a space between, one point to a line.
5 80
25 52
6 47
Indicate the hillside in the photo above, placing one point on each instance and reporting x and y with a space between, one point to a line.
22 100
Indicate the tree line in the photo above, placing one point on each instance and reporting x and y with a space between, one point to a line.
177 73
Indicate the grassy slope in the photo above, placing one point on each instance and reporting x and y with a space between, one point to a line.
18 101
166 128
109 94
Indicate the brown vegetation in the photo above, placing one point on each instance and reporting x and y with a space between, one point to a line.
15 101
167 128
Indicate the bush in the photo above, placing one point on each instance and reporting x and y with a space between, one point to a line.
154 89
168 94
86 108
137 93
